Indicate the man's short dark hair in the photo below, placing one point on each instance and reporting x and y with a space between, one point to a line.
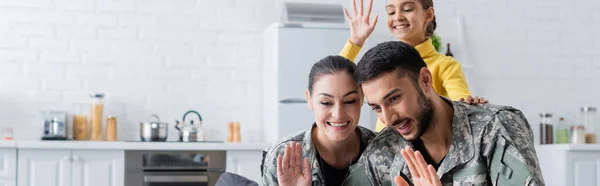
387 57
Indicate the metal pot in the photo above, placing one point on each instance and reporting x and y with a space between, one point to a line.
153 130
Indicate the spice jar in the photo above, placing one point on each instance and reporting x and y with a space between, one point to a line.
578 134
96 111
111 128
561 131
80 127
546 133
588 116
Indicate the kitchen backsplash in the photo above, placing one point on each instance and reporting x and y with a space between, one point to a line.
166 57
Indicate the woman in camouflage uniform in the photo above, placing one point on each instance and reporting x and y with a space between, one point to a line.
334 142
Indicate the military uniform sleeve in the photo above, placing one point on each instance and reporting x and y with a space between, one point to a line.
510 139
269 174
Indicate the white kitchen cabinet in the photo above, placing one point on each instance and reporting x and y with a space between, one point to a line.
70 167
245 163
576 165
44 168
8 164
98 168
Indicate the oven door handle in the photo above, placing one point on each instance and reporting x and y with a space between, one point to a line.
175 179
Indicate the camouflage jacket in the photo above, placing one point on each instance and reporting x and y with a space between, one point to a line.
480 132
269 169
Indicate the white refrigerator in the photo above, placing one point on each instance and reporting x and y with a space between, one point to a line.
290 50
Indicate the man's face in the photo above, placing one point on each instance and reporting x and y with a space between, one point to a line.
400 103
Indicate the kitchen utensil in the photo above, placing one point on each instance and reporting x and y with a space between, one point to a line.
153 130
55 125
188 132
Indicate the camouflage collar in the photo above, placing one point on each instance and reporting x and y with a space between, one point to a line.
462 149
317 176
312 156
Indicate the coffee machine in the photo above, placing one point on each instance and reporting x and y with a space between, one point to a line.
55 125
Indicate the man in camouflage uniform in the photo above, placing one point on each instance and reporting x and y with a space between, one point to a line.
269 167
466 144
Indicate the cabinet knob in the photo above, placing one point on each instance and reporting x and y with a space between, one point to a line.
76 158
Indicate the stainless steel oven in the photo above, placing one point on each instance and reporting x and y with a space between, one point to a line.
173 168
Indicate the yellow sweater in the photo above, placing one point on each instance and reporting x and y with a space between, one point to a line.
448 77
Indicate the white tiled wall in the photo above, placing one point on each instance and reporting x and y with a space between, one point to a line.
165 57
148 56
539 56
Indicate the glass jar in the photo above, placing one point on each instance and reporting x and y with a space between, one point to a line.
546 133
561 131
588 116
96 112
578 134
111 128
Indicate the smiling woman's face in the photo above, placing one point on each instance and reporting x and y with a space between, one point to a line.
336 101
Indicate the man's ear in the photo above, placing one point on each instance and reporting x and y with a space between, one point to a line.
309 100
425 80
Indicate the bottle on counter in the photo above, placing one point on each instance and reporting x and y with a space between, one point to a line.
448 52
588 116
546 132
80 127
96 112
561 131
111 128
577 134
230 132
236 132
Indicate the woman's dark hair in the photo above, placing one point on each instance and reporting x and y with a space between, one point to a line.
330 65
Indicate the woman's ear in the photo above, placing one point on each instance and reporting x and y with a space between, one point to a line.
309 100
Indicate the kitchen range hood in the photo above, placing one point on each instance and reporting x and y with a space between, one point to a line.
313 14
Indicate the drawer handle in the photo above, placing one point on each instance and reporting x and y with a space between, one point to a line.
175 179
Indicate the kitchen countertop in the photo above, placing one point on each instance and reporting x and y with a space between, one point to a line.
7 144
132 145
570 147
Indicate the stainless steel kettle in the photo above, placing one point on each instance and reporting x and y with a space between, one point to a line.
190 132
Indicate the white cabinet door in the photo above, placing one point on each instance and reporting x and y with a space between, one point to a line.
98 168
44 167
245 163
8 182
8 164
585 167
